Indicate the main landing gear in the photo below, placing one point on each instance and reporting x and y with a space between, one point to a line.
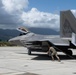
69 52
29 51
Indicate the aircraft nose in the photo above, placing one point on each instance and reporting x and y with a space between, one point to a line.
15 41
12 41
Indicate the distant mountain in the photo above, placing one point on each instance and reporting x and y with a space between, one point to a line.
44 31
6 34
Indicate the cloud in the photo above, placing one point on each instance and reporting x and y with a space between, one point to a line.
9 21
10 13
13 13
35 18
13 6
74 12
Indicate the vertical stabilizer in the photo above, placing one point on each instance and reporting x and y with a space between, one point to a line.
67 24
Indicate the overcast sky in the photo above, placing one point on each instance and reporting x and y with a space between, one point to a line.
33 13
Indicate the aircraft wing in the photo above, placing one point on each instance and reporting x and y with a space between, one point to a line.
56 40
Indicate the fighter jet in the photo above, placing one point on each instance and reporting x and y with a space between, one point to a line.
41 43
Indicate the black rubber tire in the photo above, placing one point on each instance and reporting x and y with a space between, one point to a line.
70 52
29 51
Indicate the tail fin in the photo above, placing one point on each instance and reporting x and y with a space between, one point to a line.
67 24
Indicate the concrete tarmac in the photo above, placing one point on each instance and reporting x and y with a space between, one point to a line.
16 61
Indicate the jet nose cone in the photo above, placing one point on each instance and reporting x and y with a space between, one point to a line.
9 40
15 41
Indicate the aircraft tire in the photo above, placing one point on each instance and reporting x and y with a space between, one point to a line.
70 52
29 51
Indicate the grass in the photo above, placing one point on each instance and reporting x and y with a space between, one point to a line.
5 43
